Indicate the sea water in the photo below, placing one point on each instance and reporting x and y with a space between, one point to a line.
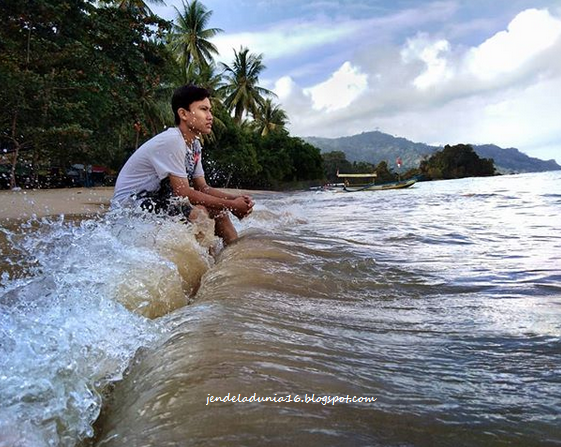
426 316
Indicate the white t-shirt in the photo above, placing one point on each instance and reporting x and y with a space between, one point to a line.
165 154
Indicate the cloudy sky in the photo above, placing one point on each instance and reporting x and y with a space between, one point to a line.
437 72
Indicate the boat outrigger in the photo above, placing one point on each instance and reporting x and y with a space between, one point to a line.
368 184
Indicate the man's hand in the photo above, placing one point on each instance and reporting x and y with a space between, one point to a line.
249 200
241 206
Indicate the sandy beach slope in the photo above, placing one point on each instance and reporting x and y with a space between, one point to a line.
24 204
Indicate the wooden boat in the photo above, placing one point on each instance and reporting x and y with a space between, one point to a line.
367 185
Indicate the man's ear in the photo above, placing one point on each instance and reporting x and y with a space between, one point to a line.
183 113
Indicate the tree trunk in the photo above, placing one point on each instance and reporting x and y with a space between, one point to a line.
228 179
13 171
15 153
238 115
35 166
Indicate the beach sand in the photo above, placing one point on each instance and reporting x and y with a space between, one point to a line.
24 204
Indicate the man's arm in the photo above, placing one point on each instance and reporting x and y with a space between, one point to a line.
200 184
239 206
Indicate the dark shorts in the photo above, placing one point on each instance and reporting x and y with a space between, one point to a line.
161 201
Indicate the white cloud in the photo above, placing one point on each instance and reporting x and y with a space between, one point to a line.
284 87
340 90
291 96
509 57
426 72
504 90
297 36
284 39
528 116
528 34
432 54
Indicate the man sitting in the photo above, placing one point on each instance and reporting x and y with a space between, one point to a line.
170 165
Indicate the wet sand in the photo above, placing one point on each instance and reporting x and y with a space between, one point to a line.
24 204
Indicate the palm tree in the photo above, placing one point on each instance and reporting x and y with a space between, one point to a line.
136 5
242 94
271 118
154 107
190 37
204 76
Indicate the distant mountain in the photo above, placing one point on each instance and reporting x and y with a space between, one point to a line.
512 160
374 147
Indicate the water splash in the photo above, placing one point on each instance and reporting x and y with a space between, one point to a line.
82 303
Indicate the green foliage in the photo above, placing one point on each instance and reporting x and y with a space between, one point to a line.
241 90
336 161
362 167
384 173
126 87
204 76
136 6
456 162
240 157
306 159
39 64
189 40
411 173
78 80
88 82
230 157
270 118
286 159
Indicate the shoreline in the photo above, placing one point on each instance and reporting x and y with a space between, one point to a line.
28 203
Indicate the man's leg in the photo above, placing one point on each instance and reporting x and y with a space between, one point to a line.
224 228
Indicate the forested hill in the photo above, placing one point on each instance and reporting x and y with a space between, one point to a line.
375 147
512 159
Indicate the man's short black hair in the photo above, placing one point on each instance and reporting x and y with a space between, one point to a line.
184 96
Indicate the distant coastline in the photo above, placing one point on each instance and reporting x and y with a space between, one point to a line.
374 147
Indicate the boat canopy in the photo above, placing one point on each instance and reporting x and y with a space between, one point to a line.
373 174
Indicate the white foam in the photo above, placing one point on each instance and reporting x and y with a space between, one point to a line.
72 326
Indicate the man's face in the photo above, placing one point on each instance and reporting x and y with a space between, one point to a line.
199 117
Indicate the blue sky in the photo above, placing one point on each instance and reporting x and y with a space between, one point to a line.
438 72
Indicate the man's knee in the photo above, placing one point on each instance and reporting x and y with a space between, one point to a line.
219 214
197 212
